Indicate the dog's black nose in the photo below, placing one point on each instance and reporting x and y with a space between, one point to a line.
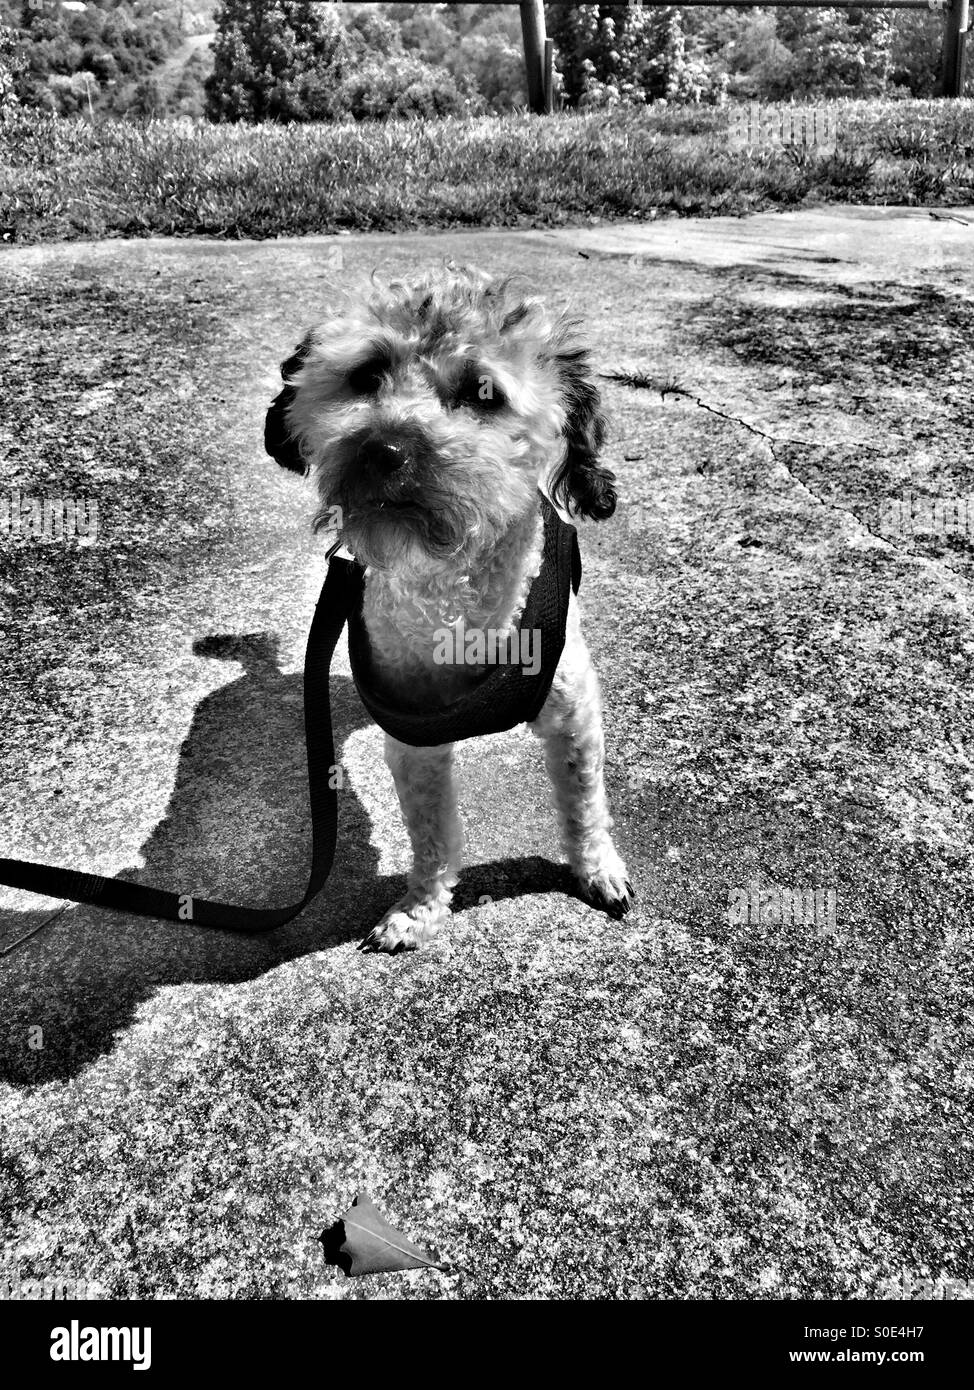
383 457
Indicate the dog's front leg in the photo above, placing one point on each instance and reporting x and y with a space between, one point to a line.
570 725
427 794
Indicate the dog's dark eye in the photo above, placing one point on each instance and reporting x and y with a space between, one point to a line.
479 391
366 379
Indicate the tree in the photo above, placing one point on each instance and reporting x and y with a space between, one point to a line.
495 65
834 53
611 53
916 51
11 66
423 31
402 85
189 95
378 33
147 100
275 60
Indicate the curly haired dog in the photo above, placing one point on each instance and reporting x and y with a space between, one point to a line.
430 416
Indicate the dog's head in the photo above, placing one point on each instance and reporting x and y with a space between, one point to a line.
429 414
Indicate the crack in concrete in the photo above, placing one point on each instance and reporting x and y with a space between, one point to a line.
830 506
670 387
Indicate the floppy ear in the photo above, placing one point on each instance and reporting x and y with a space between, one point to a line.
277 441
581 484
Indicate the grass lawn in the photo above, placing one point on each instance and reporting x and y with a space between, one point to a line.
64 179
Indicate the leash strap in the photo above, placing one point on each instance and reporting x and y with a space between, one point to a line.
331 613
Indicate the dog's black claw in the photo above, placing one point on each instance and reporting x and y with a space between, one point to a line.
613 906
373 945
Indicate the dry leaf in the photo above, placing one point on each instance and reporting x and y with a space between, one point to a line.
363 1242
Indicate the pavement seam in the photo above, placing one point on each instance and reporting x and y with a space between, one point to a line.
21 940
664 387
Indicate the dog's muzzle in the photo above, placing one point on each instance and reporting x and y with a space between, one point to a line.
382 457
387 468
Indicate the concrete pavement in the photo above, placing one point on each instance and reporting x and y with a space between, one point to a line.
686 1104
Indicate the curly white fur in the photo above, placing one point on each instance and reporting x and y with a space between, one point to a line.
429 415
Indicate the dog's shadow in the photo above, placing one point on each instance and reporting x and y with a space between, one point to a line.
237 828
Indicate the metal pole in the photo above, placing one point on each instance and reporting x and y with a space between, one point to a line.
533 31
549 76
955 48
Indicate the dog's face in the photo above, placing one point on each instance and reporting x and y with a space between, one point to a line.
429 415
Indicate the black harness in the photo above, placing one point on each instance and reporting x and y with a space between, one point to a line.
504 697
507 694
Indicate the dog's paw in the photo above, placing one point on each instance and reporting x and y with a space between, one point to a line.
609 888
405 929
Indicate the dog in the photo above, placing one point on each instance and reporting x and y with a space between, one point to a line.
431 416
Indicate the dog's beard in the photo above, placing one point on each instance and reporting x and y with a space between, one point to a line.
419 524
401 536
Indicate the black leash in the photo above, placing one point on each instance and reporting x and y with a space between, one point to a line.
332 611
498 703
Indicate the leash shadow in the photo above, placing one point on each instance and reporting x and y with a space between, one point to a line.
237 827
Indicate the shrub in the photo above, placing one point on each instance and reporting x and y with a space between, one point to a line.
402 86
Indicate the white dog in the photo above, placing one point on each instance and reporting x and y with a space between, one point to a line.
432 416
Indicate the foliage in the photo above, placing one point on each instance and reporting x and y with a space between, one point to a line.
12 64
276 60
67 177
67 58
833 53
403 86
291 60
610 53
296 60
